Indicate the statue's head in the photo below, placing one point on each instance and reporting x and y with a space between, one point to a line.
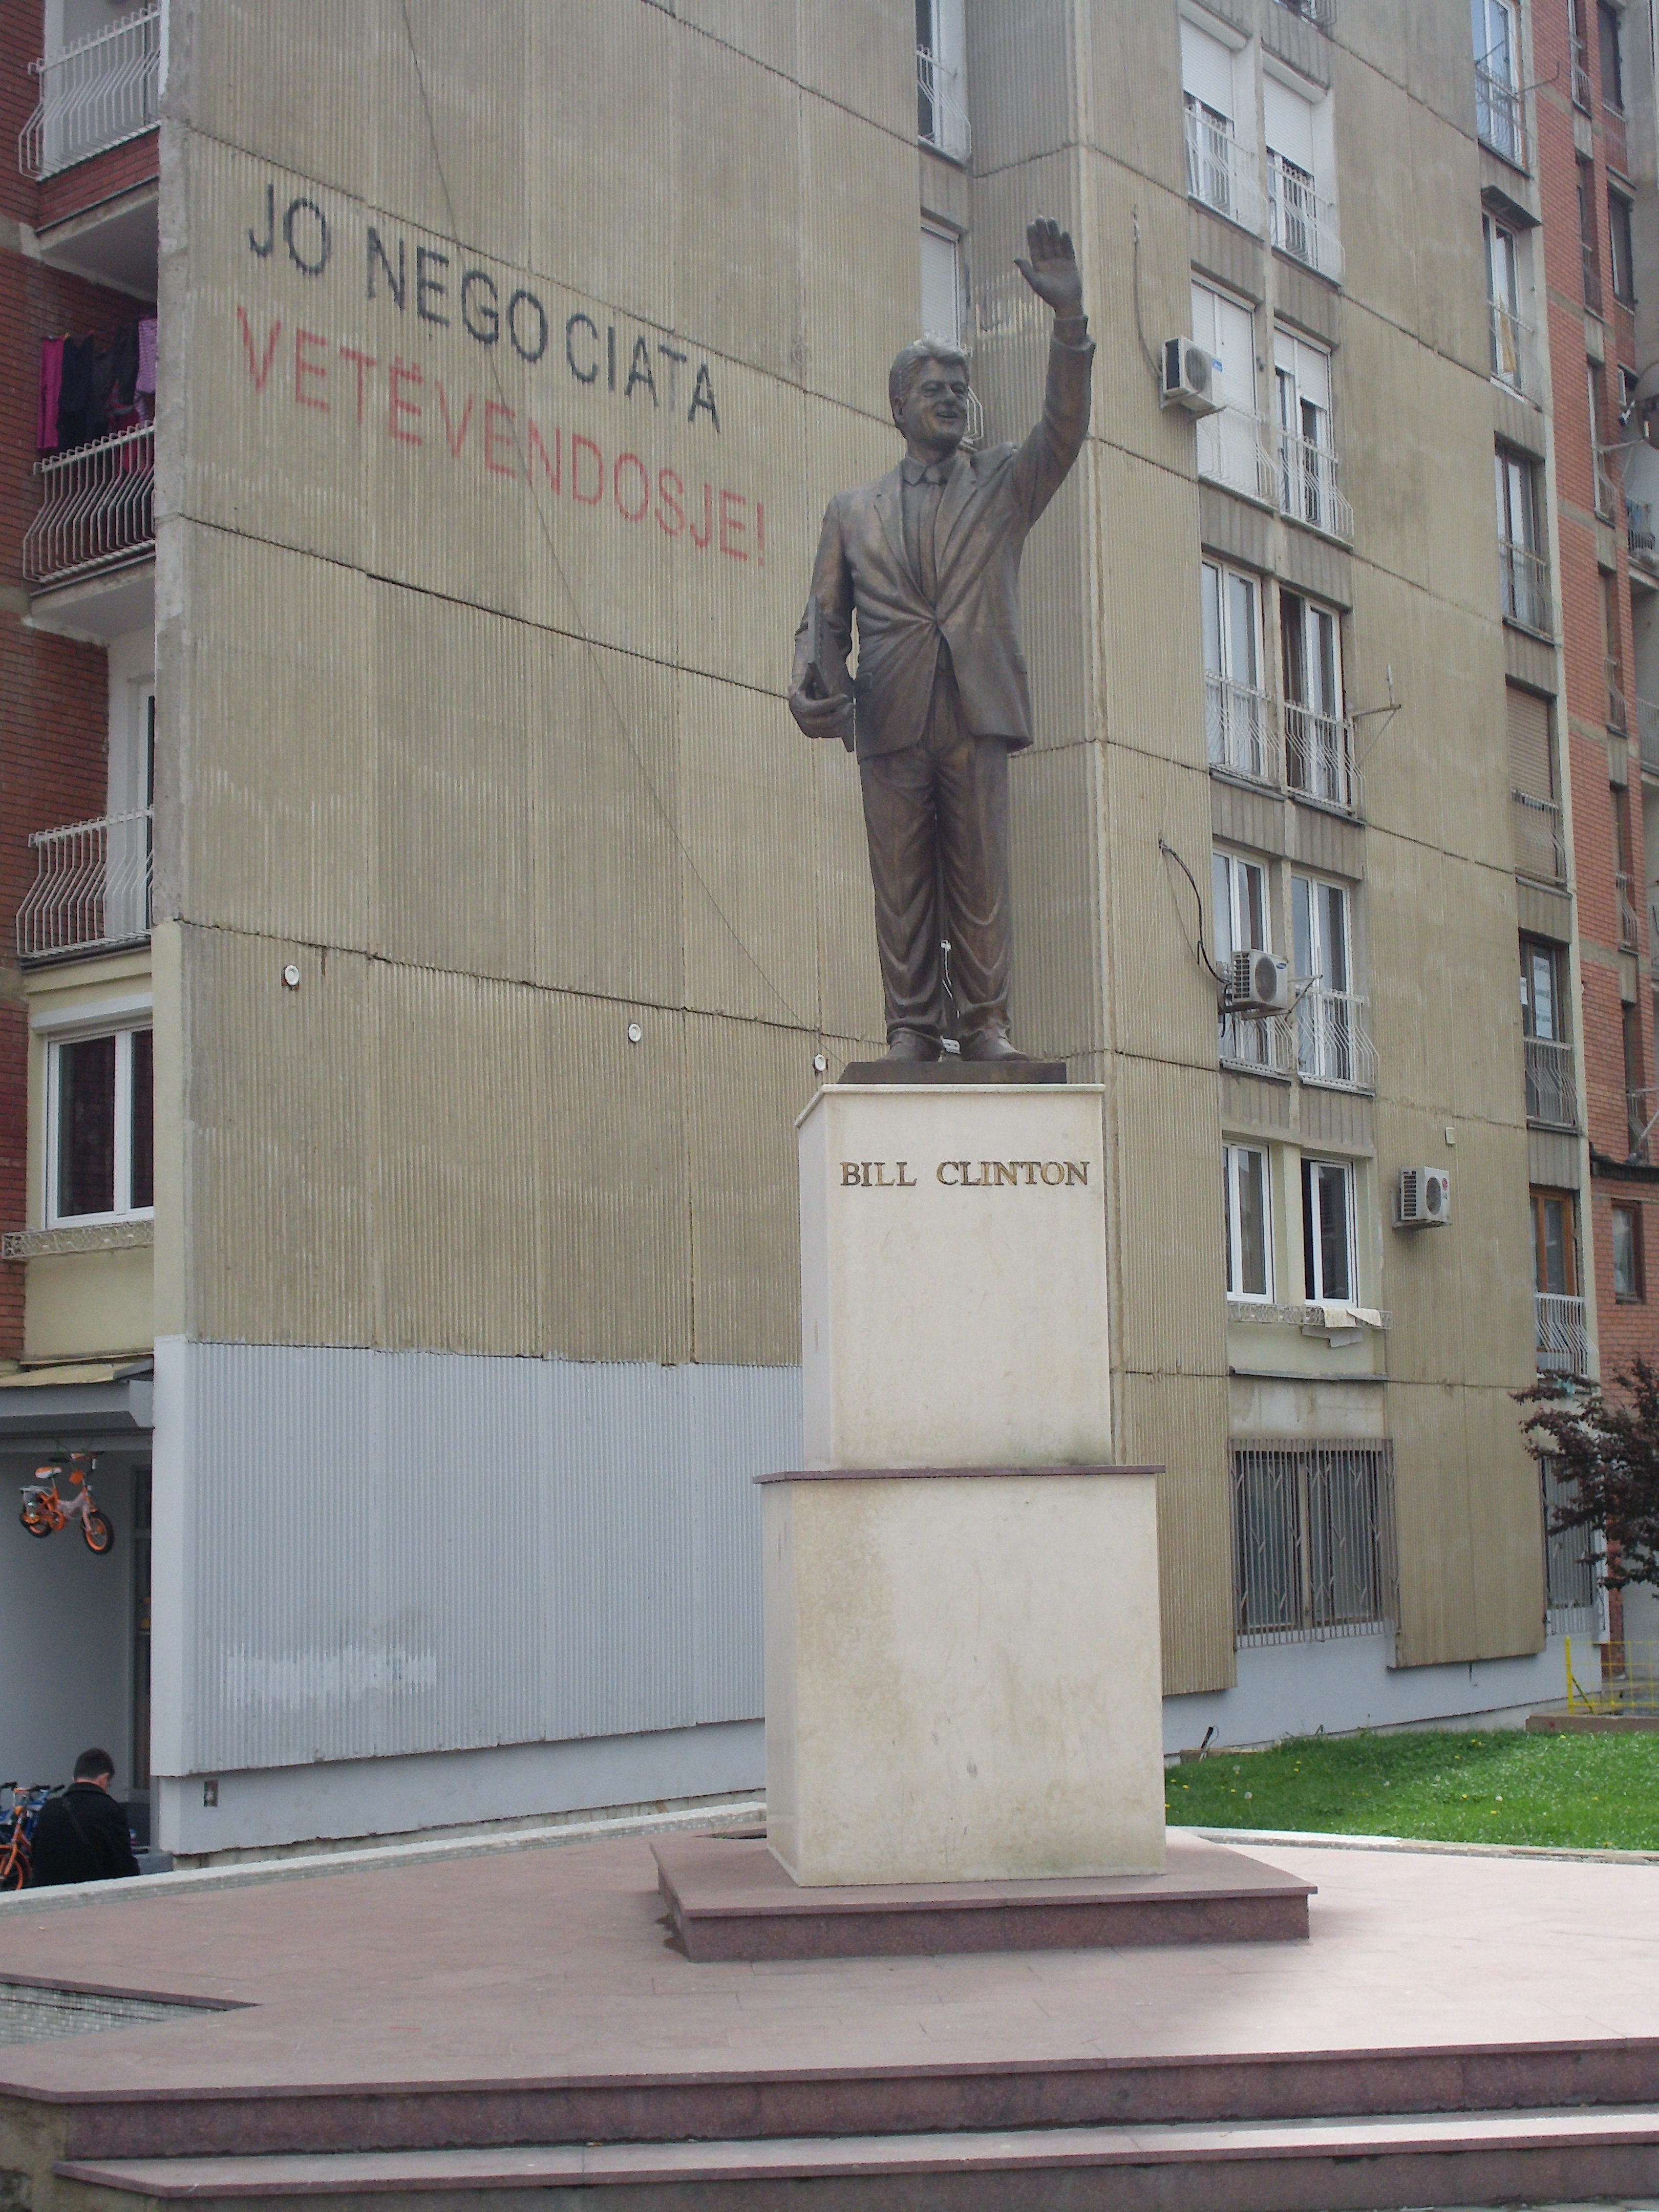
927 391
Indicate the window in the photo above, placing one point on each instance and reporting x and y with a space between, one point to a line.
1245 1206
1621 249
1581 76
1229 443
1497 97
1611 644
1569 1560
1601 482
941 285
1327 1253
1307 466
1588 247
1313 1539
1638 1108
1318 759
1239 892
1523 572
1300 216
100 1144
1542 1009
1613 66
941 88
1539 850
1555 1243
1623 888
1503 304
1219 171
1332 1046
1237 734
1627 1254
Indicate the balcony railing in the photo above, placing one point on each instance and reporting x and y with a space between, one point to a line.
1238 731
1552 1086
1500 116
1320 12
1581 77
1526 584
1562 1345
1540 850
1647 729
97 508
1319 757
93 95
1638 530
1514 357
1613 673
1259 1044
1233 449
1603 489
91 888
1629 929
1304 219
1307 487
1590 261
1333 1043
941 106
1220 173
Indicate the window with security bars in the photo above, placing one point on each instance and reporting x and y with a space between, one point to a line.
1313 1541
1569 1586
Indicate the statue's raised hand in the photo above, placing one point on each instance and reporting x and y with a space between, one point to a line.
1052 271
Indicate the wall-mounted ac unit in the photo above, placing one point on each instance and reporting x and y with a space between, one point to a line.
1259 984
1189 375
1422 1198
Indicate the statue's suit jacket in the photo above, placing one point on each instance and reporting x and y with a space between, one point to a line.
989 502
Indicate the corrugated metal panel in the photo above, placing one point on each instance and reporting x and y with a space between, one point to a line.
1323 841
1300 43
1241 816
1337 1121
396 1553
1247 1102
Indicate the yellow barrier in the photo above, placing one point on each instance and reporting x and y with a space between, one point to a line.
1629 1679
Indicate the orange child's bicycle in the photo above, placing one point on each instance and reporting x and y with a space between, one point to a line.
44 1510
17 1832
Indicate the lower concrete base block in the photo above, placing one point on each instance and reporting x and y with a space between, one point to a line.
731 1899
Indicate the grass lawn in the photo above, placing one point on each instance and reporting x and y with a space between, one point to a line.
1501 1787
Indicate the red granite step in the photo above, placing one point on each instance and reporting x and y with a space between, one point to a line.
1322 2166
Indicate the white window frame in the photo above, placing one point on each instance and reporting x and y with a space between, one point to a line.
1238 729
1320 955
1318 1293
1508 330
1304 382
1232 1159
1323 758
942 242
942 79
1231 878
84 1033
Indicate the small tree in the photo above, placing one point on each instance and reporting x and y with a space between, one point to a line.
1607 1452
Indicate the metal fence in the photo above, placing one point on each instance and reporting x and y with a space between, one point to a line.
1264 1044
1313 1541
91 888
941 113
1625 893
95 94
1234 449
1308 488
1552 1084
1302 219
97 508
1570 1595
1333 1040
1220 172
1500 116
1540 850
1629 1679
1526 580
1562 1337
1238 731
1514 358
1319 757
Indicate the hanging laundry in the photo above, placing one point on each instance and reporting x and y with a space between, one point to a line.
51 379
75 392
146 384
123 365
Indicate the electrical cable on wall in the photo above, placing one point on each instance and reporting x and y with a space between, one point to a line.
1201 954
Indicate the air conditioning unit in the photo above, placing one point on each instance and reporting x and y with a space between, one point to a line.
1189 375
1422 1198
1259 984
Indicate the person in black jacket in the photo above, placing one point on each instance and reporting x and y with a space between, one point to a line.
83 1835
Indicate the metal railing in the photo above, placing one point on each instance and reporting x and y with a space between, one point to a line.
1321 13
1614 675
1629 929
1333 1043
1307 486
1562 1340
1238 731
1514 357
1262 1044
1589 261
1626 1682
1647 734
1220 173
941 106
1233 450
1319 759
1552 1084
1500 116
1526 586
1302 219
1541 849
1313 1541
1603 488
1581 77
91 888
95 94
1638 530
97 508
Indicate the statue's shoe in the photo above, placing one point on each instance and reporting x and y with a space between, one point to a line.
910 1045
990 1044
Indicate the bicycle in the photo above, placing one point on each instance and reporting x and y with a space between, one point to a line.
45 1512
17 1832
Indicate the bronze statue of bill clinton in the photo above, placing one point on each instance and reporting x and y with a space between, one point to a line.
927 558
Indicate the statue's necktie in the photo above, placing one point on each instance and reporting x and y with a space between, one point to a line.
932 491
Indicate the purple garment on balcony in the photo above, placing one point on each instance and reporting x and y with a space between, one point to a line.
51 379
147 355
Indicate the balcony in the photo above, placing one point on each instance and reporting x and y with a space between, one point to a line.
1514 352
1259 1044
1552 1086
1238 732
1333 1044
1220 173
1321 13
1526 588
1590 261
1307 487
1500 117
1581 76
1629 930
1614 674
1302 219
1647 730
1603 491
1563 1345
1319 762
1541 849
97 508
1233 449
941 107
93 94
1638 531
91 890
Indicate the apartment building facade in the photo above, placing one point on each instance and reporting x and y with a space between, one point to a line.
434 923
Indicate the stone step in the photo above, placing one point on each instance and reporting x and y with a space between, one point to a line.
1311 2165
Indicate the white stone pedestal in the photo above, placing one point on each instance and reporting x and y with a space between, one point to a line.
962 1634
